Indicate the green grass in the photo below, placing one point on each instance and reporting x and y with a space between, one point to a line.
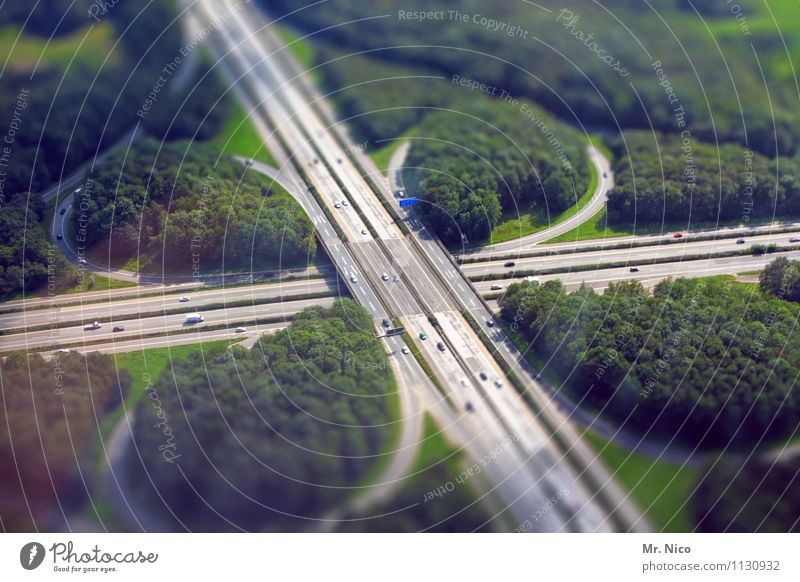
302 49
660 488
596 228
239 137
393 438
383 156
59 52
434 449
597 142
593 228
101 283
146 366
530 221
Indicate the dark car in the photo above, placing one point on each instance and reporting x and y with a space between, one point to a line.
440 345
740 241
118 328
59 236
490 322
510 264
386 323
634 269
469 407
483 376
63 211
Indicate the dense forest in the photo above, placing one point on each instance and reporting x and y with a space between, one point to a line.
196 110
739 496
379 99
180 205
706 361
69 117
53 417
781 278
543 54
27 257
280 430
473 164
666 178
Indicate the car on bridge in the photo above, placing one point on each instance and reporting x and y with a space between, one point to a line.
496 287
634 269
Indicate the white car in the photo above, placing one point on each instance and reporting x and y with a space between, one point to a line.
353 279
396 278
794 239
401 194
241 329
363 231
498 383
405 350
344 202
384 276
183 299
62 351
496 287
337 205
81 261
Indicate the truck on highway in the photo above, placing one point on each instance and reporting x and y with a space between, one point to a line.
193 318
93 325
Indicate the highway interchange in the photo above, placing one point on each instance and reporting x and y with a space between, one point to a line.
397 276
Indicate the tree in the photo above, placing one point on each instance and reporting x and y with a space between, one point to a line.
260 438
781 278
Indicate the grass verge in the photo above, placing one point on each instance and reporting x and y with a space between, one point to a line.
87 47
239 137
660 488
531 221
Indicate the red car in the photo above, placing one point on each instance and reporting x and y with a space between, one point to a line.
677 235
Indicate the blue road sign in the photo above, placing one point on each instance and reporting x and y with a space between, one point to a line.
408 201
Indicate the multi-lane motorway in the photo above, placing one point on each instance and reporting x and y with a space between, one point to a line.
534 465
408 278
